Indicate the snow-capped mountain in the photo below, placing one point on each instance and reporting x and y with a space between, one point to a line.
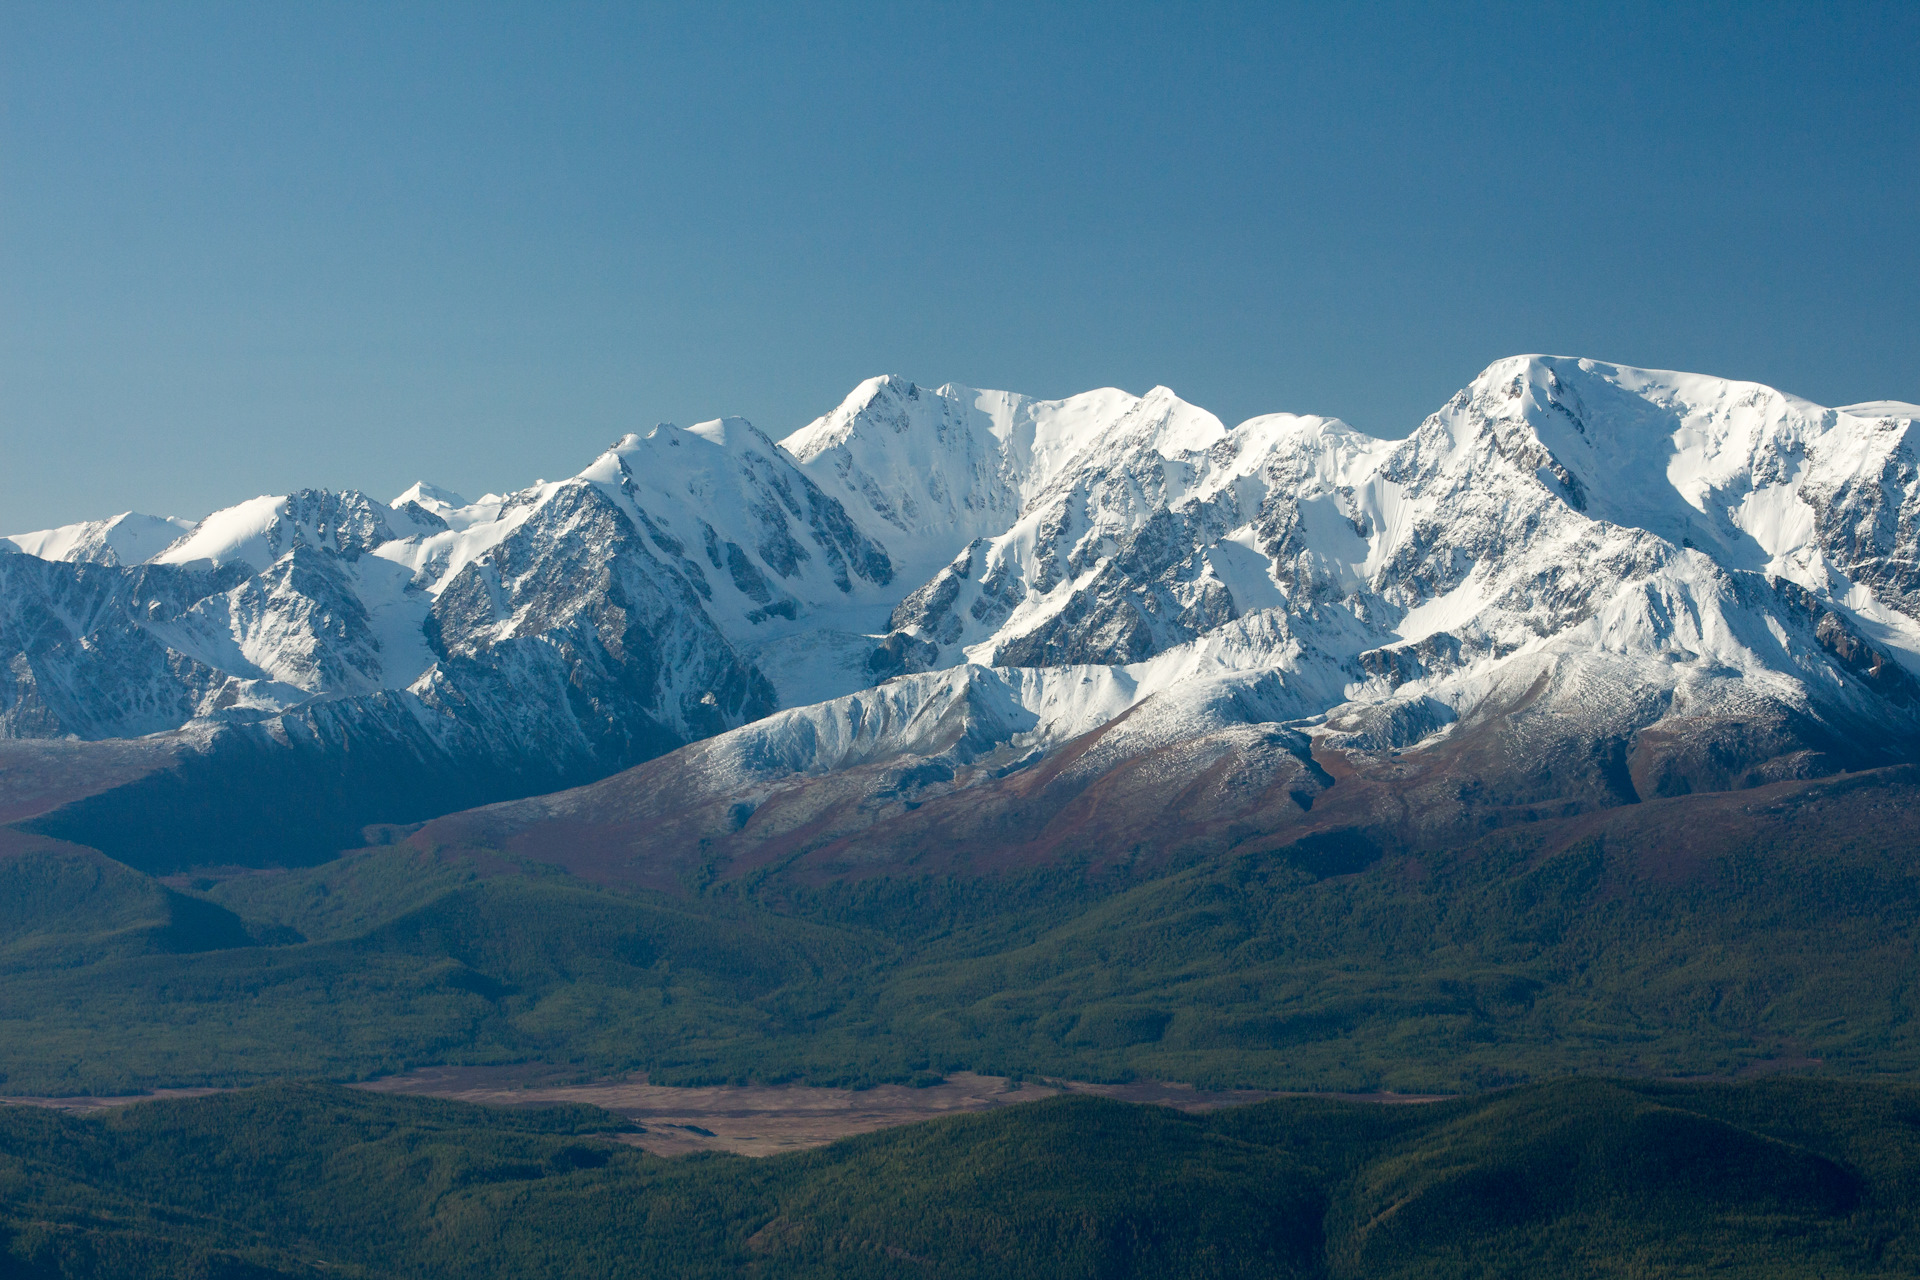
931 471
1617 581
1576 585
128 538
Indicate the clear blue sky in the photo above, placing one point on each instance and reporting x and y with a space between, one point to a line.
250 247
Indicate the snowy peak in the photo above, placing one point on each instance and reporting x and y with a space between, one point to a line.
1632 441
974 577
128 538
1760 480
931 471
259 532
736 435
1094 432
926 470
1125 491
430 496
1550 506
745 525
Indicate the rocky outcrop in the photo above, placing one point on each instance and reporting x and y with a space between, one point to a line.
1581 584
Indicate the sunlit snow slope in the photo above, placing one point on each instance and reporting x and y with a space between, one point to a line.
1680 580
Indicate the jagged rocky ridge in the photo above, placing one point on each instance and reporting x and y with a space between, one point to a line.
1576 583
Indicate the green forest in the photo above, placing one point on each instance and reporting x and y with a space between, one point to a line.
1590 1177
1523 955
1560 988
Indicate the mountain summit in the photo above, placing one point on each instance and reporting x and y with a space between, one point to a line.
1576 584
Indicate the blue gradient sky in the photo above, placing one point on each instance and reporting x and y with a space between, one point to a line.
250 247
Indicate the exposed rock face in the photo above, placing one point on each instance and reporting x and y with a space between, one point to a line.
525 642
1575 584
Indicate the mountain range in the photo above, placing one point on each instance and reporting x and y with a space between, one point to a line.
952 629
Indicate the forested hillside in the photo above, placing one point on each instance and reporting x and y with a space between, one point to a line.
1591 1178
1705 934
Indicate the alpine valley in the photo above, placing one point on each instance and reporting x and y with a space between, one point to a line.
1573 730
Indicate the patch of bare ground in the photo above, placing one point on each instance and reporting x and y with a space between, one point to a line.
764 1120
98 1102
751 1119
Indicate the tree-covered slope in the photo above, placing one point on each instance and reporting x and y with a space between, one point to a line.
1589 1178
1702 934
